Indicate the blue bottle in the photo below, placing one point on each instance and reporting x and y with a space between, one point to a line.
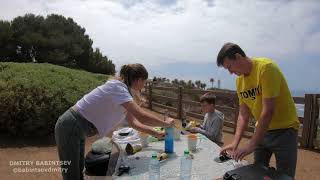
168 141
169 138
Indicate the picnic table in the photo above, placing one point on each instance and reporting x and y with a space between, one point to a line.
203 164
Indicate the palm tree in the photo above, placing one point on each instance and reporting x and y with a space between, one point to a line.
182 83
154 79
203 86
198 83
211 80
175 82
189 84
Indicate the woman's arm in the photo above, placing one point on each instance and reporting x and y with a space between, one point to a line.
133 122
145 117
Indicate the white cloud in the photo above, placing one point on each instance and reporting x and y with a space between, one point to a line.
156 32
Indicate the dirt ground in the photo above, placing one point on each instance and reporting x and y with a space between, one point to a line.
12 151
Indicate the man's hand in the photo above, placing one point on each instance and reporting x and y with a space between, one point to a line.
240 153
228 149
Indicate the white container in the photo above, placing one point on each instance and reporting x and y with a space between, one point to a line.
193 142
177 133
177 130
144 139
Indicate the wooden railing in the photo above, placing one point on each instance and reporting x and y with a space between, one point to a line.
309 123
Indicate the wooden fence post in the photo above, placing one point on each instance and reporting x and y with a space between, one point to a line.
317 143
306 120
179 102
150 96
313 122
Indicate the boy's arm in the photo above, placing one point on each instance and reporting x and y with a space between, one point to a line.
200 129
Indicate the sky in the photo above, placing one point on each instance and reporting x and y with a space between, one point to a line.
181 38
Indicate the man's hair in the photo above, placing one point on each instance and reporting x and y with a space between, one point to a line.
209 97
229 50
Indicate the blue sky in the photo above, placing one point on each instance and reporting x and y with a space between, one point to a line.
181 39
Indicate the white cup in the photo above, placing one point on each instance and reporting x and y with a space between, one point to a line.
177 133
144 138
192 142
177 130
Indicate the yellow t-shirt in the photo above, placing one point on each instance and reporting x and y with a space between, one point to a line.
266 81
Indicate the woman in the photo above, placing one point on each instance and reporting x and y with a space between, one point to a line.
105 107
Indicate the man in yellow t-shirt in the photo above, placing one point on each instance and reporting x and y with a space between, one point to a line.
263 93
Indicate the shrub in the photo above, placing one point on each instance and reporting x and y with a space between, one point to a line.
33 96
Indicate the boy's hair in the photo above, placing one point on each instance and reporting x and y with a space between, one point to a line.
209 97
229 50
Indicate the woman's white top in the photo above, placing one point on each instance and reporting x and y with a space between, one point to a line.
103 105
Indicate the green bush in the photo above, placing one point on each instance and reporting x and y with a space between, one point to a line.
33 96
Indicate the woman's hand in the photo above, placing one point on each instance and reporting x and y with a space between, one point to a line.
169 122
159 134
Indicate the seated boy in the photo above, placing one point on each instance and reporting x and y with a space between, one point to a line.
213 120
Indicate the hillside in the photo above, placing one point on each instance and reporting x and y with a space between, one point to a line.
34 95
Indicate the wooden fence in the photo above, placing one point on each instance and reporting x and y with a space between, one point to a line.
309 122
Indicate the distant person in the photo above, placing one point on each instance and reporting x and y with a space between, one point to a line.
105 107
213 120
263 92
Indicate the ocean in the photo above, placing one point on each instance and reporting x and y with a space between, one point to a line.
300 110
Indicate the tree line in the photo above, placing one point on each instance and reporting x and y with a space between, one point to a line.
176 82
185 84
52 39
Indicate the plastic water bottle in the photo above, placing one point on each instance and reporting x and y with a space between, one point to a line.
185 166
154 168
